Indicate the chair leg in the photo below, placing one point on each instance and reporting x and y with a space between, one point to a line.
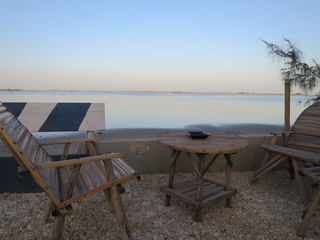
119 213
304 183
309 213
267 166
58 230
47 212
117 203
107 194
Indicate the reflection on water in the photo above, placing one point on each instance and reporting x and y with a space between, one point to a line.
169 110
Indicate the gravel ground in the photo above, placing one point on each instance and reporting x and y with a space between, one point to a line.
269 209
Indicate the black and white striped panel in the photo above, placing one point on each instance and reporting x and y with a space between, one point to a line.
55 117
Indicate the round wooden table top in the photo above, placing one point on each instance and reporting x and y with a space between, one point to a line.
216 143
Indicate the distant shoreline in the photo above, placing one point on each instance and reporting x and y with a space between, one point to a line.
173 92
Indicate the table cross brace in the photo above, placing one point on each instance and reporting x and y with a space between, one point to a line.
202 171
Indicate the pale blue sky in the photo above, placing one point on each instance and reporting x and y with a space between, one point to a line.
151 45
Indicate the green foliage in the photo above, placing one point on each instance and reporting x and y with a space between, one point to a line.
295 71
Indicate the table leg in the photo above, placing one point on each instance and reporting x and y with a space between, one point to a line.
228 177
198 212
175 156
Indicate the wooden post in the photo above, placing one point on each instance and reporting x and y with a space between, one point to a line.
286 106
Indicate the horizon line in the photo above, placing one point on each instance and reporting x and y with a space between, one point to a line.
148 91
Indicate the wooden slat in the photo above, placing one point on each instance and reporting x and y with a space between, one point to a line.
213 191
311 170
86 180
118 170
189 187
5 117
179 196
73 140
294 153
218 196
106 186
31 148
24 141
78 161
28 164
11 125
216 143
51 177
123 165
99 169
93 176
64 174
15 129
187 191
41 157
304 143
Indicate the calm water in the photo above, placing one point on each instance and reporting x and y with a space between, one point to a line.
169 110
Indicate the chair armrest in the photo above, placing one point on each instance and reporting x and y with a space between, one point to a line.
283 132
78 161
75 140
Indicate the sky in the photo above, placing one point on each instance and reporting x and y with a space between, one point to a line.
167 45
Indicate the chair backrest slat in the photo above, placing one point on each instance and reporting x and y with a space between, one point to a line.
64 176
5 117
38 157
25 149
24 141
30 148
15 129
306 130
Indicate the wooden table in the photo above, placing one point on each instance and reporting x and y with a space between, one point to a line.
200 191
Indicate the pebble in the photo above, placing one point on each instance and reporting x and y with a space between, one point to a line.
268 209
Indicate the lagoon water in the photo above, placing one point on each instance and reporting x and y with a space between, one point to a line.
173 110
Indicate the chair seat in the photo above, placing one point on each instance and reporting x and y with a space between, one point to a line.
92 176
293 153
312 172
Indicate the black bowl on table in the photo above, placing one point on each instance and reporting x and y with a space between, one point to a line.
198 134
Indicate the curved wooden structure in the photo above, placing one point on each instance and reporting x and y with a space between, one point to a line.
302 148
67 181
303 142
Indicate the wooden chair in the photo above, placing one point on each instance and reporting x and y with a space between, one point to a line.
313 174
67 181
302 148
302 142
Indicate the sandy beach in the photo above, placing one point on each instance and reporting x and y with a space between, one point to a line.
268 209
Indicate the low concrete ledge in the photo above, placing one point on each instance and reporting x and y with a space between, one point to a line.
146 155
141 149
